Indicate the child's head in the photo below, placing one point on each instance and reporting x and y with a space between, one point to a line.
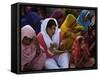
51 28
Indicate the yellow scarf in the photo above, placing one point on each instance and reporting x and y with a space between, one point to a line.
67 25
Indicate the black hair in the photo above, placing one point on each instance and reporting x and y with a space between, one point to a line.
51 23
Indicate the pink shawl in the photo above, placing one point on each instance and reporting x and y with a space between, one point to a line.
27 52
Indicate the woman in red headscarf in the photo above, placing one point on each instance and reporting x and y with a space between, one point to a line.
80 56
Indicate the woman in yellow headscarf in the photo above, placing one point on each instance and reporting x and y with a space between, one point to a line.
70 29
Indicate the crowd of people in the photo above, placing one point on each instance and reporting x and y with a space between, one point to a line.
57 38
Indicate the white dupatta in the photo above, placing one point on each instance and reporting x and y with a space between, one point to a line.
55 37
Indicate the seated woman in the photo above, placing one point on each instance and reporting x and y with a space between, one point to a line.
50 40
80 56
70 29
32 56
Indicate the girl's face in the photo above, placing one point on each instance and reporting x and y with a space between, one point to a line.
51 30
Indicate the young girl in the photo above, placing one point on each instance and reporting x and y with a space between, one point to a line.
32 56
80 56
50 39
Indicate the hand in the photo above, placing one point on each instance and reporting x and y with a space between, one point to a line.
63 45
50 52
53 45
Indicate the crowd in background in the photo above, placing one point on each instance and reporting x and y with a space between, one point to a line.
56 38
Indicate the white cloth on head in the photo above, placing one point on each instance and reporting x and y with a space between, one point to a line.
55 37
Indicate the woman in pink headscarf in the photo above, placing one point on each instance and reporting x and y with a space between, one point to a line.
32 56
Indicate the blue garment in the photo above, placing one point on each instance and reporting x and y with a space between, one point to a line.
33 19
24 21
81 20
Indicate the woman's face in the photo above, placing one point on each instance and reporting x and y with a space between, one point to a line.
35 40
82 43
51 30
27 41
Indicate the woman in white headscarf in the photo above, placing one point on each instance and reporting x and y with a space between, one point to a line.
50 39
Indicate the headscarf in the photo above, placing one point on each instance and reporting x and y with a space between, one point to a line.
76 49
58 15
69 20
65 30
55 37
81 21
27 52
